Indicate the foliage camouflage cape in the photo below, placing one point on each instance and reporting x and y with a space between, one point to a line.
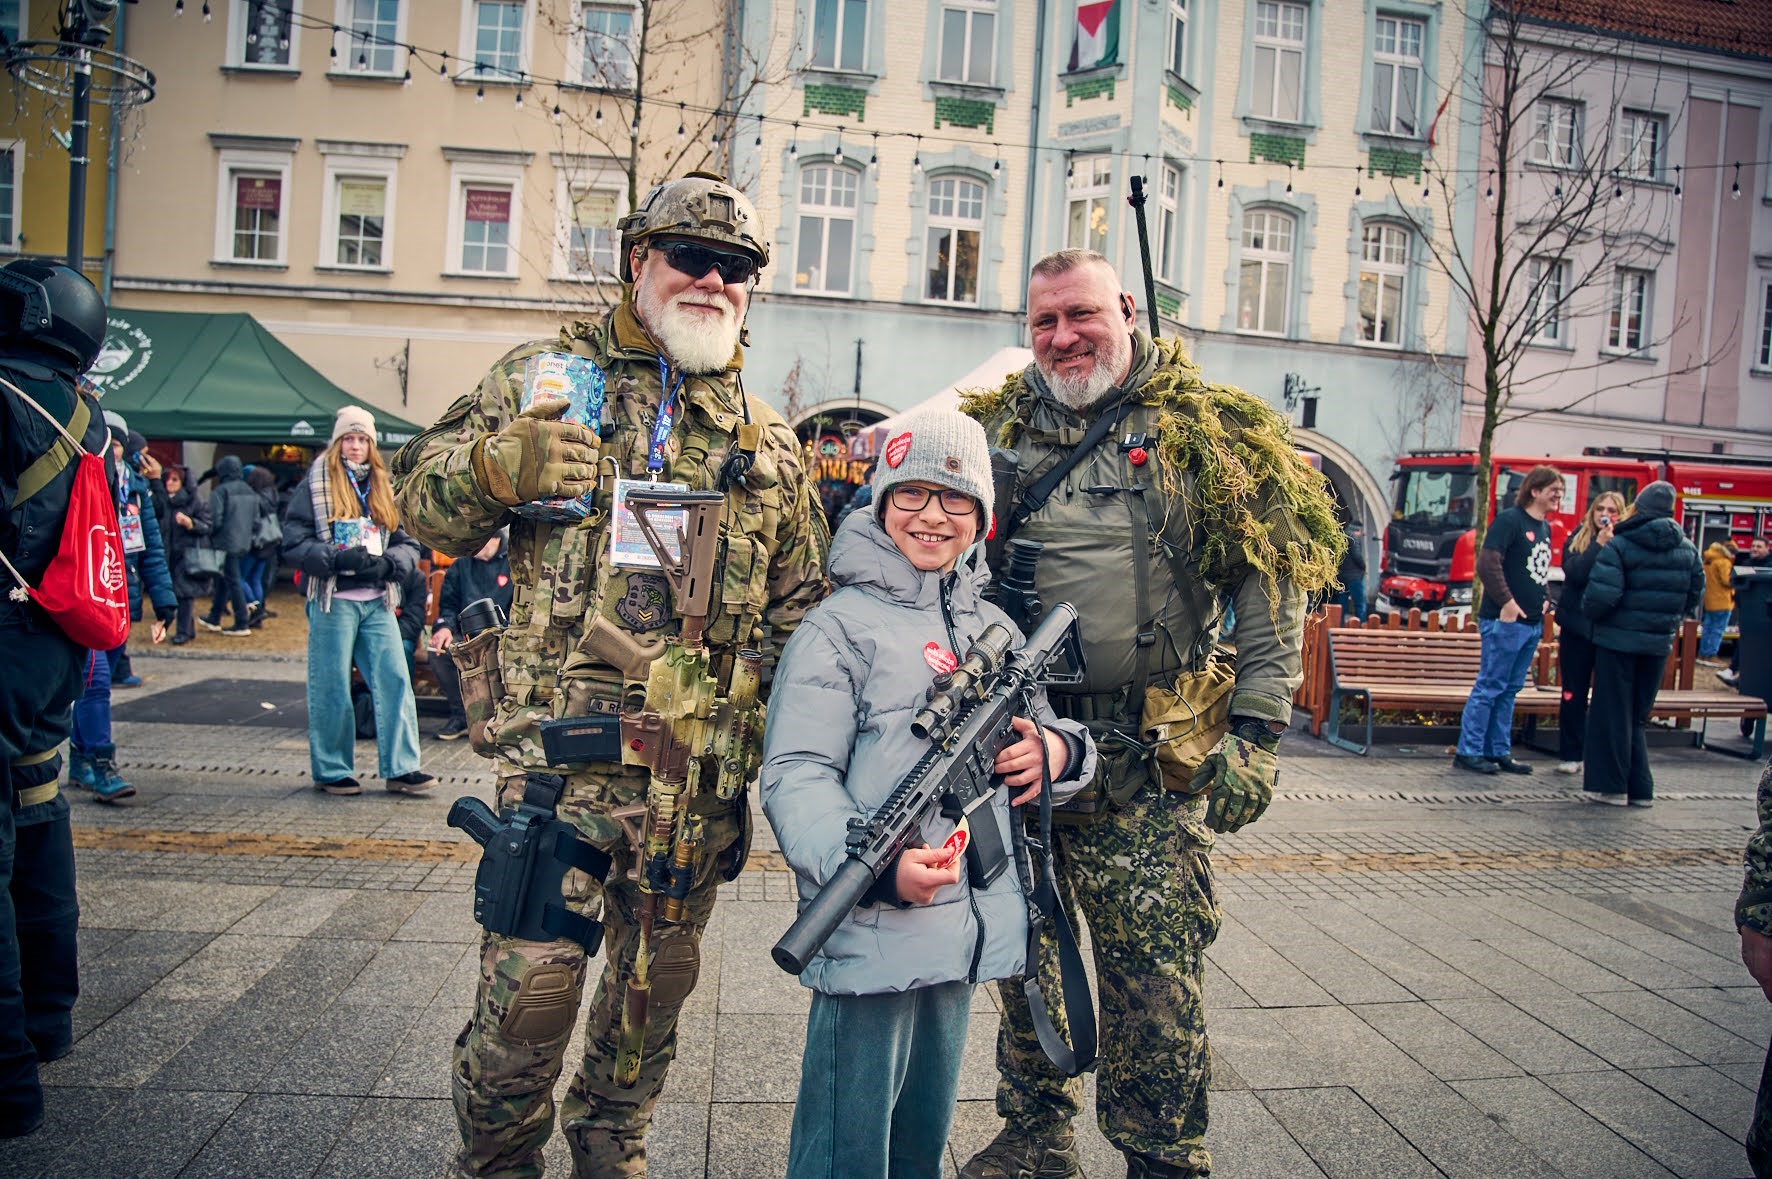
772 557
1231 510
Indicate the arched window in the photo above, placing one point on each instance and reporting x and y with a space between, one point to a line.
1384 272
956 225
825 263
1264 284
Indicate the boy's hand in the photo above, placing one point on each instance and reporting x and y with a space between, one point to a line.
920 873
1019 764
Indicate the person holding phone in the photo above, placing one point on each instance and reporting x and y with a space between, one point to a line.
1575 631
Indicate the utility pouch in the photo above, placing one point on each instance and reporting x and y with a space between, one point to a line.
577 740
1185 718
482 685
1123 763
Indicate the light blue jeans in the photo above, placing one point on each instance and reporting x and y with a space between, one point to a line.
1487 727
1710 636
364 633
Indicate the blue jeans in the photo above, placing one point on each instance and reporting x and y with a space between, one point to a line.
1487 727
878 1083
1710 637
230 591
92 711
1352 598
364 633
252 577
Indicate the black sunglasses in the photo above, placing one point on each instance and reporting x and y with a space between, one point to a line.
695 261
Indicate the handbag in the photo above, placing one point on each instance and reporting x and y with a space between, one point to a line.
203 561
268 530
1185 717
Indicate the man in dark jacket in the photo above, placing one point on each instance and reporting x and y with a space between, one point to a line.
1647 581
1757 553
1351 597
486 574
233 514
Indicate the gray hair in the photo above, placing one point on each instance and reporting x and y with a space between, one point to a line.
1064 261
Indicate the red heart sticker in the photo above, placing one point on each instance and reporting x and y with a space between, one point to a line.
898 448
942 662
955 846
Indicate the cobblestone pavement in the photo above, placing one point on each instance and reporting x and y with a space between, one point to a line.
1420 973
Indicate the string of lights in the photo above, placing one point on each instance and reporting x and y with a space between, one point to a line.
1597 175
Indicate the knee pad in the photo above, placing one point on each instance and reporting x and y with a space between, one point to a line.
544 1005
676 964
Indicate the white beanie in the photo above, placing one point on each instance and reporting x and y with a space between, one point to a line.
941 446
353 419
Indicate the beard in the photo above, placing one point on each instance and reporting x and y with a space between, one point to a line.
1079 393
698 342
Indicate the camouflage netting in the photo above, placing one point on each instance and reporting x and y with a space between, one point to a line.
1246 472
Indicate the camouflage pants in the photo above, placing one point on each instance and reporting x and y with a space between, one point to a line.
1144 879
1759 1134
509 1056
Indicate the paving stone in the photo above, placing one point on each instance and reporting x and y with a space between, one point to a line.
420 1065
1700 949
133 1044
691 1078
1248 1142
1617 955
1587 1022
757 1058
292 912
404 973
1306 1046
1261 972
1557 1131
151 1133
1745 1073
225 969
1711 1096
750 1140
1739 1009
1329 964
279 1134
1671 1136
1343 1135
1693 1034
750 981
978 1067
1505 976
69 1114
1450 1132
1434 1041
126 970
372 916
1411 967
345 1052
1220 991
441 917
393 1138
1524 1040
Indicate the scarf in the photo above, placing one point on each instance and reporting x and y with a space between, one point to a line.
320 495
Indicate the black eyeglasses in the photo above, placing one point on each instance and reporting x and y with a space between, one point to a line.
909 497
695 261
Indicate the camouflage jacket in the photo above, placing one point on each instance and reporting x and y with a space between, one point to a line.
1753 910
773 545
1220 501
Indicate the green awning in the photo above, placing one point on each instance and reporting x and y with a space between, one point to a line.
219 378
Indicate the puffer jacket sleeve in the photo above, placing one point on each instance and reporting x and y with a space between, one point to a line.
1695 592
402 553
156 576
1605 586
302 546
806 748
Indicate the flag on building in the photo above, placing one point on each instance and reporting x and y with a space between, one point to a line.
1097 40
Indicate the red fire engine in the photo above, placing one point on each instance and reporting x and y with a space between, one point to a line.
1429 555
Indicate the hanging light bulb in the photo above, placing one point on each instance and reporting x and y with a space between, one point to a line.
794 144
874 160
207 16
1676 180
556 115
996 167
443 65
362 61
1288 179
480 92
1070 167
837 156
1735 188
178 7
407 80
598 117
1220 164
519 101
1489 191
680 131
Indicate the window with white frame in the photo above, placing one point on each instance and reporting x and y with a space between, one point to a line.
1264 283
11 190
486 228
1765 360
262 33
1175 43
1279 61
1168 223
1384 271
1396 75
1627 319
590 243
257 208
496 48
956 226
1090 193
1642 138
968 41
370 36
1556 134
609 44
1547 281
829 196
839 35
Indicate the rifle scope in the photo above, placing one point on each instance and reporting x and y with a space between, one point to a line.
950 692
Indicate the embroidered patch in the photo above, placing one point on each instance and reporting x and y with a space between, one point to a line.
646 604
897 449
942 662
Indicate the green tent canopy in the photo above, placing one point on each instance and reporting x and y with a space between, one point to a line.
219 378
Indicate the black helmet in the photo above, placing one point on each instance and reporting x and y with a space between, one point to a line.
52 306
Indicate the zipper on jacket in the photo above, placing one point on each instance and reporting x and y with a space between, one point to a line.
947 618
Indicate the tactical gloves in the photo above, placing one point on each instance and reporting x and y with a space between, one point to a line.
1240 773
537 457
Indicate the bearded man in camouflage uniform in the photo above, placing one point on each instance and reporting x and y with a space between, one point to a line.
667 361
1753 917
1191 494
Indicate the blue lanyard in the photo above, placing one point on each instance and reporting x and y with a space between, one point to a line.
362 496
667 414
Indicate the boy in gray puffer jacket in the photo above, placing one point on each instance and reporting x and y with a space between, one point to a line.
893 985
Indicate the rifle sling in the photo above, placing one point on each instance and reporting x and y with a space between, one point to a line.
1035 497
1079 1004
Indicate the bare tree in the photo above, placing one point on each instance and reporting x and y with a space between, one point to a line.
1427 396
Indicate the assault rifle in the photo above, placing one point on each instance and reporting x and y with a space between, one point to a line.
966 721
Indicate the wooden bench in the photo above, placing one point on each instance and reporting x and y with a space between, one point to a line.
1433 671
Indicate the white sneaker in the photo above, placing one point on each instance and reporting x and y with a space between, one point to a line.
1728 677
1604 799
1568 767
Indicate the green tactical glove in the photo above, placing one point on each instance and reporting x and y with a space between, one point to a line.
537 457
1240 773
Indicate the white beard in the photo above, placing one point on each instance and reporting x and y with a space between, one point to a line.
1080 393
697 344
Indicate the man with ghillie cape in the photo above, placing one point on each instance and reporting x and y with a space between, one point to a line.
1185 497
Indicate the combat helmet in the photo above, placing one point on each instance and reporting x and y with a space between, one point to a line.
699 205
54 307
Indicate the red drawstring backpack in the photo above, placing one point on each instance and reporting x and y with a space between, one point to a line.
85 590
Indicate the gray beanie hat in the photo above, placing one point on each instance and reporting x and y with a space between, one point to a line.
941 446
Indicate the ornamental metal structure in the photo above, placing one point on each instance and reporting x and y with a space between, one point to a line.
77 66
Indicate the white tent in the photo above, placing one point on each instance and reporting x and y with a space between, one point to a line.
1002 362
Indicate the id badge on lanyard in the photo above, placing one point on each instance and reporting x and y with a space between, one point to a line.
134 540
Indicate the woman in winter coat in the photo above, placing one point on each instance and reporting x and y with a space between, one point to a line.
233 514
188 523
1644 584
892 987
343 533
258 569
1575 633
1719 597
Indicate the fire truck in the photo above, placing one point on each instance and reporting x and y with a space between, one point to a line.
1429 545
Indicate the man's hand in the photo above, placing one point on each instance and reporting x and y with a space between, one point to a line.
1756 954
1019 764
441 638
1511 611
158 631
183 521
920 876
537 457
1240 775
